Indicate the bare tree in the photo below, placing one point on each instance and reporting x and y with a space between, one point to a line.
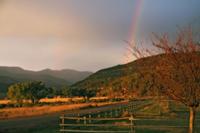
177 71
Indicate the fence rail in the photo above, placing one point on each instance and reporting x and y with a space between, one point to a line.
92 131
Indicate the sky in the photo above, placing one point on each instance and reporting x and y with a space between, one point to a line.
85 35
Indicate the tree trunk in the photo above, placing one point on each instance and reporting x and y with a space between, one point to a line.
86 99
33 101
192 120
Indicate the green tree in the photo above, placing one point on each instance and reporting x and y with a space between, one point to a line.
83 92
16 93
34 91
66 92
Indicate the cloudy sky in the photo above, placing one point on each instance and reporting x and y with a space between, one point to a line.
84 34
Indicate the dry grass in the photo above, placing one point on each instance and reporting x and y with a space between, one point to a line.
59 99
4 101
6 113
32 111
99 98
49 100
42 110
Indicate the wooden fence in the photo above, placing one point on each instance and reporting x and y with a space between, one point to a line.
90 122
128 123
115 120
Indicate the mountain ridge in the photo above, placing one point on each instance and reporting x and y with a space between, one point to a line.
52 78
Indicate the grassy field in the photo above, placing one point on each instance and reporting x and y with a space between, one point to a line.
147 113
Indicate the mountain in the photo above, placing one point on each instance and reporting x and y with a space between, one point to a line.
121 74
53 78
67 74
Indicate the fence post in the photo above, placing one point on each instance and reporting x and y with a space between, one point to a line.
105 115
123 109
99 115
111 113
78 120
85 120
132 124
63 122
120 111
116 113
90 121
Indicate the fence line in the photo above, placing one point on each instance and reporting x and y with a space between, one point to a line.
112 114
87 123
131 126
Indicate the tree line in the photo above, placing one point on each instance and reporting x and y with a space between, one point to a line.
35 90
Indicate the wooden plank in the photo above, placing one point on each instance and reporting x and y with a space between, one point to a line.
97 125
148 126
124 118
82 118
93 131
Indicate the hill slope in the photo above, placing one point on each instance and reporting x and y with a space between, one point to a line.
117 75
130 76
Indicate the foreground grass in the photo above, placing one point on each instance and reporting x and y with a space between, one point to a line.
148 119
50 123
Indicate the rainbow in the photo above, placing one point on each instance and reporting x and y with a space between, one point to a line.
136 19
134 28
